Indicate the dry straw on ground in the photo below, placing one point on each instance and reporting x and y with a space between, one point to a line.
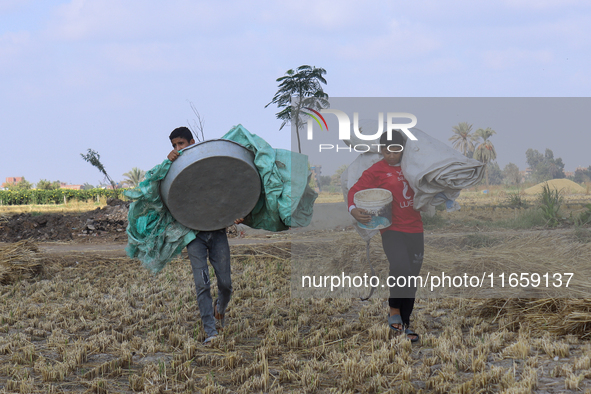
496 253
20 260
97 324
561 316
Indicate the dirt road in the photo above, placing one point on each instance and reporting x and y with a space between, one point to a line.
436 237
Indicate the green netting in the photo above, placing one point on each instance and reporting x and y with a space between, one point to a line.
286 200
153 235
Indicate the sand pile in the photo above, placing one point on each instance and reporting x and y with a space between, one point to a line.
568 187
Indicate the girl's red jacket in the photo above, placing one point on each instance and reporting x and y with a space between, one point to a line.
382 175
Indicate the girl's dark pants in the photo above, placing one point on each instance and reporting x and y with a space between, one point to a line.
405 255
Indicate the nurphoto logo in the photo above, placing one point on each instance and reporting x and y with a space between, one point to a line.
345 128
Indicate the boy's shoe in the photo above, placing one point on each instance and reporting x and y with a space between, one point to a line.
209 340
219 316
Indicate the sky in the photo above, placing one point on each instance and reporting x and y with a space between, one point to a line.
118 76
534 122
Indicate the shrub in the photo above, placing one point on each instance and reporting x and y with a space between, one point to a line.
516 200
35 196
550 201
585 217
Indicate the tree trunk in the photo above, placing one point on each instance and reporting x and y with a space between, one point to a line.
297 126
297 122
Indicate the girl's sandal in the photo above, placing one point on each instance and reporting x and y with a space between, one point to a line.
395 319
414 335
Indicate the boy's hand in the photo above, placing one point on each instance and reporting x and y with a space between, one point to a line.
361 215
173 155
238 221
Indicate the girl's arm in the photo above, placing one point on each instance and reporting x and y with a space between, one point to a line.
366 181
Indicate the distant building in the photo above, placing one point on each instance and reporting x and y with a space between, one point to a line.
569 174
73 187
317 171
12 181
525 174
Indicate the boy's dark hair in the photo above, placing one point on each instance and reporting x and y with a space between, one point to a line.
396 139
182 132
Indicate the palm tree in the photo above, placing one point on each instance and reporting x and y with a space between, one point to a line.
462 139
304 84
133 177
485 152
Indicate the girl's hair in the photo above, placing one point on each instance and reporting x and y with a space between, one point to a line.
395 140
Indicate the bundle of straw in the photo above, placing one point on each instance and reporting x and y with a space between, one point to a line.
560 316
19 260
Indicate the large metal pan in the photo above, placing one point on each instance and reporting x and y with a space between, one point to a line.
211 184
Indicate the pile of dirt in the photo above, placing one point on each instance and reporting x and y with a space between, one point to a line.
110 220
107 223
568 187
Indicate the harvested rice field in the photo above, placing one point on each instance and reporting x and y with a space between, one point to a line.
97 323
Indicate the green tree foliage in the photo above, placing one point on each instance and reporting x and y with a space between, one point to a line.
495 174
544 166
485 152
582 175
303 83
133 177
511 175
23 184
324 180
462 139
44 184
87 186
335 179
94 158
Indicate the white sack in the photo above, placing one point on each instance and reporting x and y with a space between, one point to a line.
431 167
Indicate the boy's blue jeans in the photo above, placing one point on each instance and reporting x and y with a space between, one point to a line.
214 244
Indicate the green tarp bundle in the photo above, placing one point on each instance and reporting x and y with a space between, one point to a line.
286 200
153 235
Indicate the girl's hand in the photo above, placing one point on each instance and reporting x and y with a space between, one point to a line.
361 215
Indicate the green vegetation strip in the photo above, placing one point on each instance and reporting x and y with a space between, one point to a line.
58 196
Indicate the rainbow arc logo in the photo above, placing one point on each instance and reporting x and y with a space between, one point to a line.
315 118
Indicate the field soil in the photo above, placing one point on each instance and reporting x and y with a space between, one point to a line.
93 320
101 225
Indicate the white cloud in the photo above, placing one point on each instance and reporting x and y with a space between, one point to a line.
544 4
11 5
12 45
400 43
143 56
514 57
135 19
